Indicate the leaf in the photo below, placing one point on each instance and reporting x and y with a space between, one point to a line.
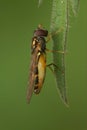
59 30
74 5
39 2
59 21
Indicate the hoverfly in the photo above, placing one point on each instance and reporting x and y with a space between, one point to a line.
38 62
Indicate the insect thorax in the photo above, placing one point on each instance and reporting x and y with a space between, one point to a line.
38 42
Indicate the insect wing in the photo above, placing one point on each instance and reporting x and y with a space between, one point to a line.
32 75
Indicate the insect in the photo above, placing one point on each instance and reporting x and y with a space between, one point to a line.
38 62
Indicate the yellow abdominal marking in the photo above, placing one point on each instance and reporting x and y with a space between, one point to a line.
41 69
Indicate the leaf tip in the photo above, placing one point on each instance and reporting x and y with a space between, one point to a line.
39 3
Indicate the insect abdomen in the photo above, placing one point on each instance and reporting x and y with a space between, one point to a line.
40 75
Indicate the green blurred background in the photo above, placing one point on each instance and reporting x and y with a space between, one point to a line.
18 19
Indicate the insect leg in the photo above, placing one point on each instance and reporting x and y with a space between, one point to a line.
52 64
61 52
50 68
50 35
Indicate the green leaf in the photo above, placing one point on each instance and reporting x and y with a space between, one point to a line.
74 5
59 30
59 21
39 2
